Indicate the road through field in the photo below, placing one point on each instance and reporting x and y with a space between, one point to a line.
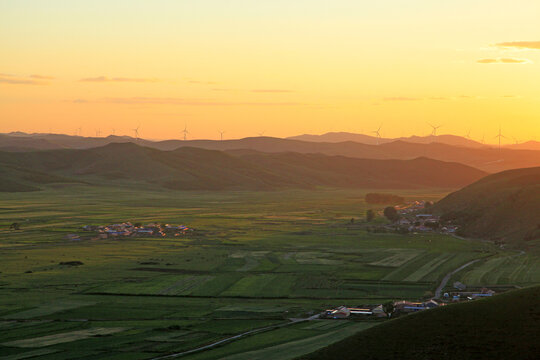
449 275
235 337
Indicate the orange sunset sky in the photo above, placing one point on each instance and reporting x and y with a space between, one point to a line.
282 67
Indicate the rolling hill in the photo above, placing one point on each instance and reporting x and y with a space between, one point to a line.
190 168
503 206
528 145
502 327
485 158
16 179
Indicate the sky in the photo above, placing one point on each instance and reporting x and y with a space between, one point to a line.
272 67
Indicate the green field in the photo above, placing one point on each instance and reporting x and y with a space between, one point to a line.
256 260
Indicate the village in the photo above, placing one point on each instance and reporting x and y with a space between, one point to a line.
127 229
397 308
413 217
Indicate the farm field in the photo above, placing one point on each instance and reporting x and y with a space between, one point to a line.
255 260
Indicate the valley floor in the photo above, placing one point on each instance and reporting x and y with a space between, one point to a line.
256 260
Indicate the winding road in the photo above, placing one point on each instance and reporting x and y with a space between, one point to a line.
449 275
235 337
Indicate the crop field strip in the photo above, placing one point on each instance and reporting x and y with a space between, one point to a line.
504 270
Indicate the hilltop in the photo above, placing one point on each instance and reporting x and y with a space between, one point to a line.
501 206
502 327
189 168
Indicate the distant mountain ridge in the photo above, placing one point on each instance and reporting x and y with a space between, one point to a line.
485 158
189 168
372 140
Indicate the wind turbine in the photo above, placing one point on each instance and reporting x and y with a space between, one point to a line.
136 131
185 132
484 139
262 133
221 134
378 133
435 128
516 141
500 135
80 131
468 136
98 132
113 131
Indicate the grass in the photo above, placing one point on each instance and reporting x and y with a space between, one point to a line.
62 337
501 327
256 259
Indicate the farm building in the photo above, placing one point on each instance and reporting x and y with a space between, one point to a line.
360 311
341 312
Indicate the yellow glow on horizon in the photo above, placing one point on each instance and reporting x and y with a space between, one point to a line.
280 67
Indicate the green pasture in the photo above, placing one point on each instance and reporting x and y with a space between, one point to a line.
255 261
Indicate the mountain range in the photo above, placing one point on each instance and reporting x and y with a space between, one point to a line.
189 168
485 158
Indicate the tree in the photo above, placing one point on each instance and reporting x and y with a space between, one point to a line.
370 215
389 308
391 213
15 226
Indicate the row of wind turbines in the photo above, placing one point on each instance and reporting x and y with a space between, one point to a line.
377 133
467 136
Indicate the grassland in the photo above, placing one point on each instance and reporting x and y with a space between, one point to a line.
256 260
502 327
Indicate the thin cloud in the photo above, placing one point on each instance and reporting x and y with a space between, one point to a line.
401 98
504 61
534 45
41 77
180 101
19 81
116 79
202 82
438 98
271 91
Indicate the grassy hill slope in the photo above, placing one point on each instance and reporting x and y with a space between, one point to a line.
500 206
503 327
16 179
199 169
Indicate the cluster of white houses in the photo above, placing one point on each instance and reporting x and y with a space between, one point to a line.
424 223
412 219
344 312
128 229
404 306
